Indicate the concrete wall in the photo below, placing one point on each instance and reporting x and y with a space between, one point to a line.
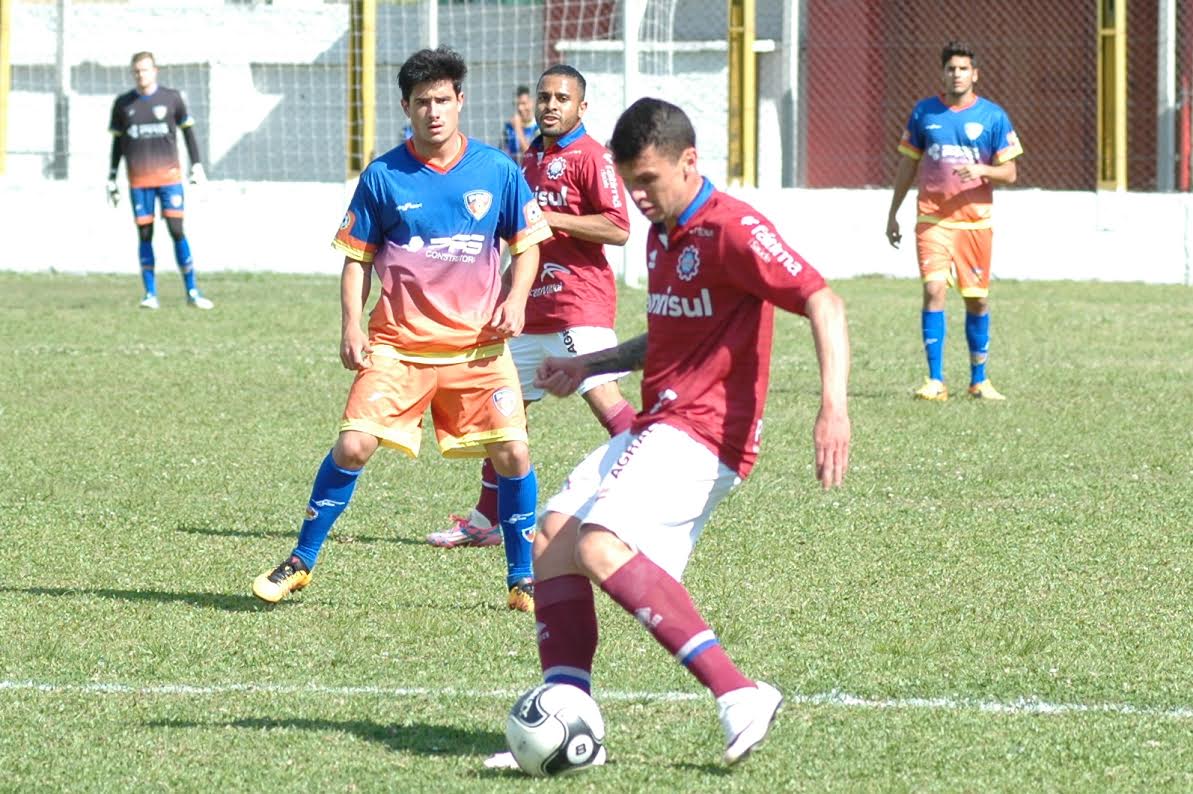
287 227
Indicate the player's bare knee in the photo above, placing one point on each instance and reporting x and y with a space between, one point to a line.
599 553
510 458
353 450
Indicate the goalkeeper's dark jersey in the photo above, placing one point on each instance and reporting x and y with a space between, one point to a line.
146 127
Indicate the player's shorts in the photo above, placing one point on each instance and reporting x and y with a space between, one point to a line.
144 202
655 490
529 350
960 256
473 403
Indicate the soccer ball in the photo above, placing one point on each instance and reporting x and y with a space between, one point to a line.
554 729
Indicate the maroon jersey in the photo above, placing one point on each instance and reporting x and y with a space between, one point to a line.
147 129
575 285
712 287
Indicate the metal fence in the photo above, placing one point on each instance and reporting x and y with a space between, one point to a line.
268 82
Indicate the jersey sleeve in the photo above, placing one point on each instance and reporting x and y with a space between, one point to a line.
1006 141
359 236
521 222
912 142
115 123
182 117
603 188
765 266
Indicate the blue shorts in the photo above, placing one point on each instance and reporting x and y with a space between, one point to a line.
144 201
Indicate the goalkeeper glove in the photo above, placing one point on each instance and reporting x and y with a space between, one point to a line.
113 193
198 177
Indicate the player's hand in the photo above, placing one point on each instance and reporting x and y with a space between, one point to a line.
559 376
970 172
508 318
198 175
830 436
355 349
113 193
892 233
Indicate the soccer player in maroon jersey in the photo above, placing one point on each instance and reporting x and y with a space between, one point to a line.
144 126
629 515
573 304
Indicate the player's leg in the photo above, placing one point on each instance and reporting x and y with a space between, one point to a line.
395 421
173 209
934 252
143 203
478 411
601 392
973 280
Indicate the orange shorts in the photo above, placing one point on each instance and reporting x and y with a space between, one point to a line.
473 403
960 256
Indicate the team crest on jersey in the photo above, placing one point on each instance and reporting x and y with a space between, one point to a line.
689 263
555 168
973 129
505 401
347 222
478 202
159 112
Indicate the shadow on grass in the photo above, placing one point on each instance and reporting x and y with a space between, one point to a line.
289 534
226 602
416 738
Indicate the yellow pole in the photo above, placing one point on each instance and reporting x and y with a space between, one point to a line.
362 85
5 78
1112 95
743 95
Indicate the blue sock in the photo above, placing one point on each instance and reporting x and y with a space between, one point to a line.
182 255
147 264
516 500
329 496
977 334
932 325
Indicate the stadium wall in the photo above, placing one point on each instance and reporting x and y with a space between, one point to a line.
286 227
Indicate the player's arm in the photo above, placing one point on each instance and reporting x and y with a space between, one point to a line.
596 228
562 376
831 432
113 164
355 281
904 178
510 315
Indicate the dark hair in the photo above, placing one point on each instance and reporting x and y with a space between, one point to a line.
140 56
427 66
651 122
522 89
957 48
565 70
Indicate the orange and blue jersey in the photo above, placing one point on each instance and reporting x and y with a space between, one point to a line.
431 236
944 138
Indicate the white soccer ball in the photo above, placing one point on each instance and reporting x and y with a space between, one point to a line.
554 729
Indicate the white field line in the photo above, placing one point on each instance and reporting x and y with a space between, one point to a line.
834 698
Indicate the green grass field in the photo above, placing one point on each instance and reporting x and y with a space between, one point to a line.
1000 598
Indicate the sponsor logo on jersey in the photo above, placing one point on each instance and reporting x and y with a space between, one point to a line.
349 219
702 231
478 203
931 127
749 220
1012 139
665 396
505 401
552 270
973 129
546 289
664 304
556 167
689 263
767 245
457 248
552 198
609 182
409 205
951 151
650 259
532 213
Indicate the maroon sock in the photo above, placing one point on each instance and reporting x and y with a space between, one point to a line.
618 419
662 605
487 504
565 618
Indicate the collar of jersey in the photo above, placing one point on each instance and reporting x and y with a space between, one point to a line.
701 199
459 155
563 142
966 106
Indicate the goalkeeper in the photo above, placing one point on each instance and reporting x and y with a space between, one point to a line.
144 127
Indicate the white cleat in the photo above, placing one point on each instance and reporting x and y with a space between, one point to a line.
746 716
150 302
195 299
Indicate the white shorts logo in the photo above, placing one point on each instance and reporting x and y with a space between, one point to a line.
505 401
